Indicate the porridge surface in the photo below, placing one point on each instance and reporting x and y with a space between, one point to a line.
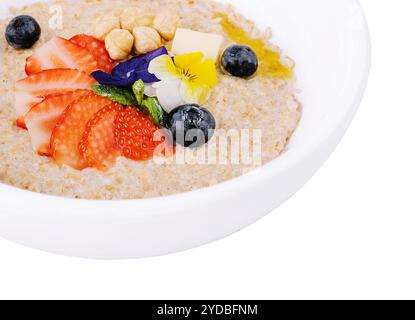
260 103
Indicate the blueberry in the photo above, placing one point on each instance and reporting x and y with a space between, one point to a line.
191 125
240 61
22 32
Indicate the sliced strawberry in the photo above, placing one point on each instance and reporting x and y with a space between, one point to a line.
41 120
32 90
135 135
97 49
20 123
61 53
98 142
67 135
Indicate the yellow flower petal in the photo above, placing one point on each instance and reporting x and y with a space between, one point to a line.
205 73
186 61
192 92
197 69
163 68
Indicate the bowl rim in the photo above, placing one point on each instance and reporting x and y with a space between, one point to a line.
284 162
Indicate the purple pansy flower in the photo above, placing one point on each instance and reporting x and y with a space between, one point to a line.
127 73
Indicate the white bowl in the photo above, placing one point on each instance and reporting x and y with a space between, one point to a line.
330 42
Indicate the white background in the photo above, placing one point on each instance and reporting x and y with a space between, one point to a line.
350 233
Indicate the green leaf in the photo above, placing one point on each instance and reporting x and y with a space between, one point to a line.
116 94
152 108
138 89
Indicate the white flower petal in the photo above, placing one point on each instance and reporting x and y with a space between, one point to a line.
168 94
150 91
163 68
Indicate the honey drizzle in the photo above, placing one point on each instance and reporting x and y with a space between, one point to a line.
270 64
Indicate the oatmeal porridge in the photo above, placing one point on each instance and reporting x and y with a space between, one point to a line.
98 97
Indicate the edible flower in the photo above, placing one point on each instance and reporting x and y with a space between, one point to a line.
187 78
128 72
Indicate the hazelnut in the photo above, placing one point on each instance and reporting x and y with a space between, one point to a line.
146 39
135 17
105 24
166 24
119 44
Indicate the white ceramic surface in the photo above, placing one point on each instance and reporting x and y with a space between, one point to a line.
329 41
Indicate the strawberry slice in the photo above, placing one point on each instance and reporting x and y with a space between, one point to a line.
61 53
97 49
135 135
41 120
32 90
67 135
98 142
